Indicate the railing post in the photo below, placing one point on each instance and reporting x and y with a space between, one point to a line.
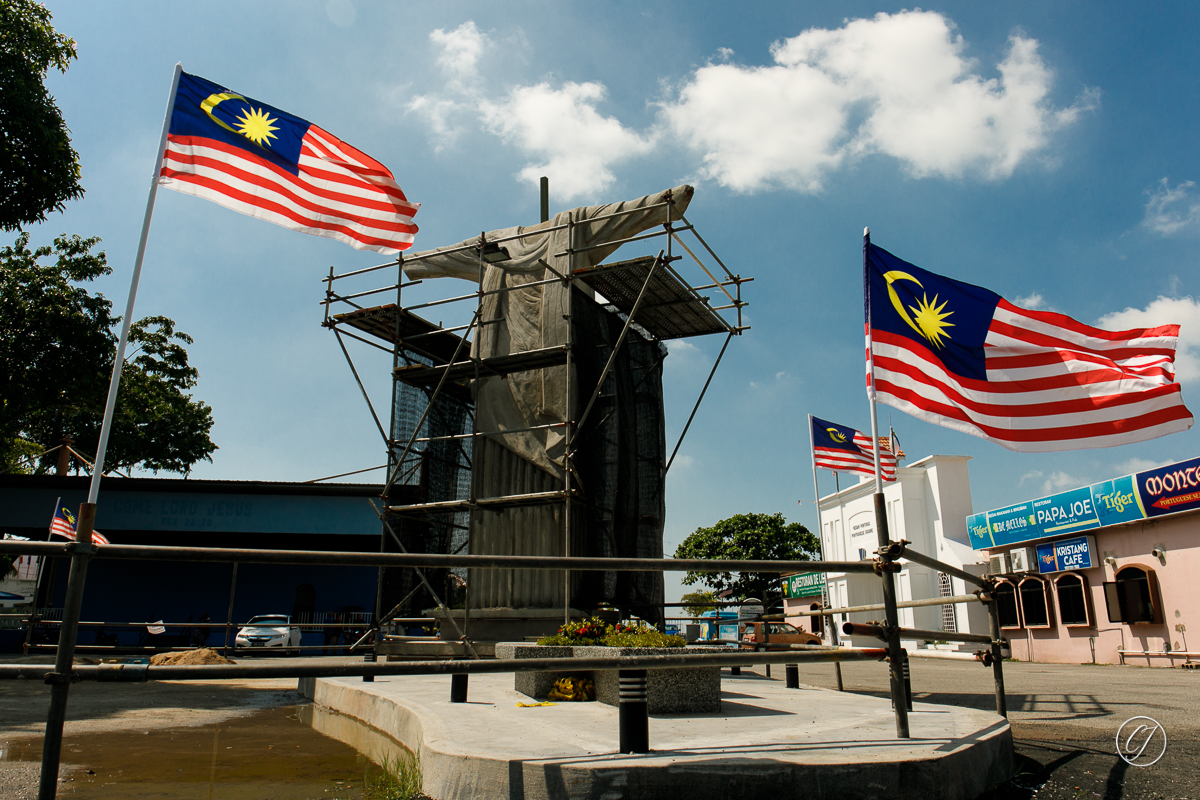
997 655
792 671
895 658
634 711
458 687
60 680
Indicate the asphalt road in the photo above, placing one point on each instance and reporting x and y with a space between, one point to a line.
1064 719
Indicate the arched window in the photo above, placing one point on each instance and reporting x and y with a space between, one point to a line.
1006 604
1072 599
1034 608
1133 596
816 622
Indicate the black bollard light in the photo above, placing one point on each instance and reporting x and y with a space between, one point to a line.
458 688
735 670
792 672
634 711
369 657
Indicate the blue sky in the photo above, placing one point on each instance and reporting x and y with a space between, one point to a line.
1046 151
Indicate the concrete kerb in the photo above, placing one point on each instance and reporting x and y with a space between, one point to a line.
812 743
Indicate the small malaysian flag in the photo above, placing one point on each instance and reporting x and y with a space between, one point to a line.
266 163
63 525
842 449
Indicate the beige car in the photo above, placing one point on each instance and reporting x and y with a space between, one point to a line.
754 636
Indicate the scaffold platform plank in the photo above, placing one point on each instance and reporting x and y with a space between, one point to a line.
670 310
461 371
384 323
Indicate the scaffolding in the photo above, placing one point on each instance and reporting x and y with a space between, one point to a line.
447 467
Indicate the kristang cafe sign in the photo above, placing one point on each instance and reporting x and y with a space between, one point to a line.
1163 490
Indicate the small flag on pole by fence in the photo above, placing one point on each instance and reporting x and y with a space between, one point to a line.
842 449
63 525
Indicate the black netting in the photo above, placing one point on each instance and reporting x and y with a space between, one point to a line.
619 458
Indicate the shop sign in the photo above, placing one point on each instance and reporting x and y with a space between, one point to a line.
807 584
1067 554
1162 490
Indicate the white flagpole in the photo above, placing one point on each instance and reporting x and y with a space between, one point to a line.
115 382
812 451
871 364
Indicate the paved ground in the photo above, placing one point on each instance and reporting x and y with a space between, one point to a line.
1064 718
765 741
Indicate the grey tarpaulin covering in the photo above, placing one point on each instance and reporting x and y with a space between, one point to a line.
535 318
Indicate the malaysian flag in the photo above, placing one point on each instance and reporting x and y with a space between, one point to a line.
961 356
63 525
266 163
841 449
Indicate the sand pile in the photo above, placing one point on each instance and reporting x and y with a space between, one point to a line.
204 655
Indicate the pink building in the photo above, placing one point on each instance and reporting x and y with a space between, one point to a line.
1104 574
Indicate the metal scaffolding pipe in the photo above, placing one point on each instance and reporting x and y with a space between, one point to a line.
932 601
251 556
140 673
880 632
940 566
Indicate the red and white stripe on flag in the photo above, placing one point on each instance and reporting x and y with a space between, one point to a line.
338 192
1052 383
863 462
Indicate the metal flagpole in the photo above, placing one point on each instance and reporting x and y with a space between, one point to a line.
81 549
899 701
812 449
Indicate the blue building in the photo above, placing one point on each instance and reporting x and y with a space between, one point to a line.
195 513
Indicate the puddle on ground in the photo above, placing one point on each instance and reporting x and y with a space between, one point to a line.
290 753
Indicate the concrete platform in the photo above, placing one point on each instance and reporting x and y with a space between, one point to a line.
767 741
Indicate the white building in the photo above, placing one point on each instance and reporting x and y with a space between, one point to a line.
927 505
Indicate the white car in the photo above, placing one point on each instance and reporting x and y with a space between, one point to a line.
269 630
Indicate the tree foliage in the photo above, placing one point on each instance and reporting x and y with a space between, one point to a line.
57 345
697 603
39 170
747 537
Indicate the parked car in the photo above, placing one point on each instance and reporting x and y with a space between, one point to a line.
269 630
758 634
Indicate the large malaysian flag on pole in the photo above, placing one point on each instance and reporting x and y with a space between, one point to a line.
269 164
962 356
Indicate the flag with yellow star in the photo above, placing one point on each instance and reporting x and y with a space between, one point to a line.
841 449
266 163
962 356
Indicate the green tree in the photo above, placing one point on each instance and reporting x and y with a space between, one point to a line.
57 346
747 537
39 170
696 603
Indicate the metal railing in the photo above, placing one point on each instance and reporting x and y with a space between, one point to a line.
630 668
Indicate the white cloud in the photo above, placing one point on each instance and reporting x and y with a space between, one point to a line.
1055 482
461 50
1171 211
897 84
1182 311
573 144
1033 301
1132 465
341 12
